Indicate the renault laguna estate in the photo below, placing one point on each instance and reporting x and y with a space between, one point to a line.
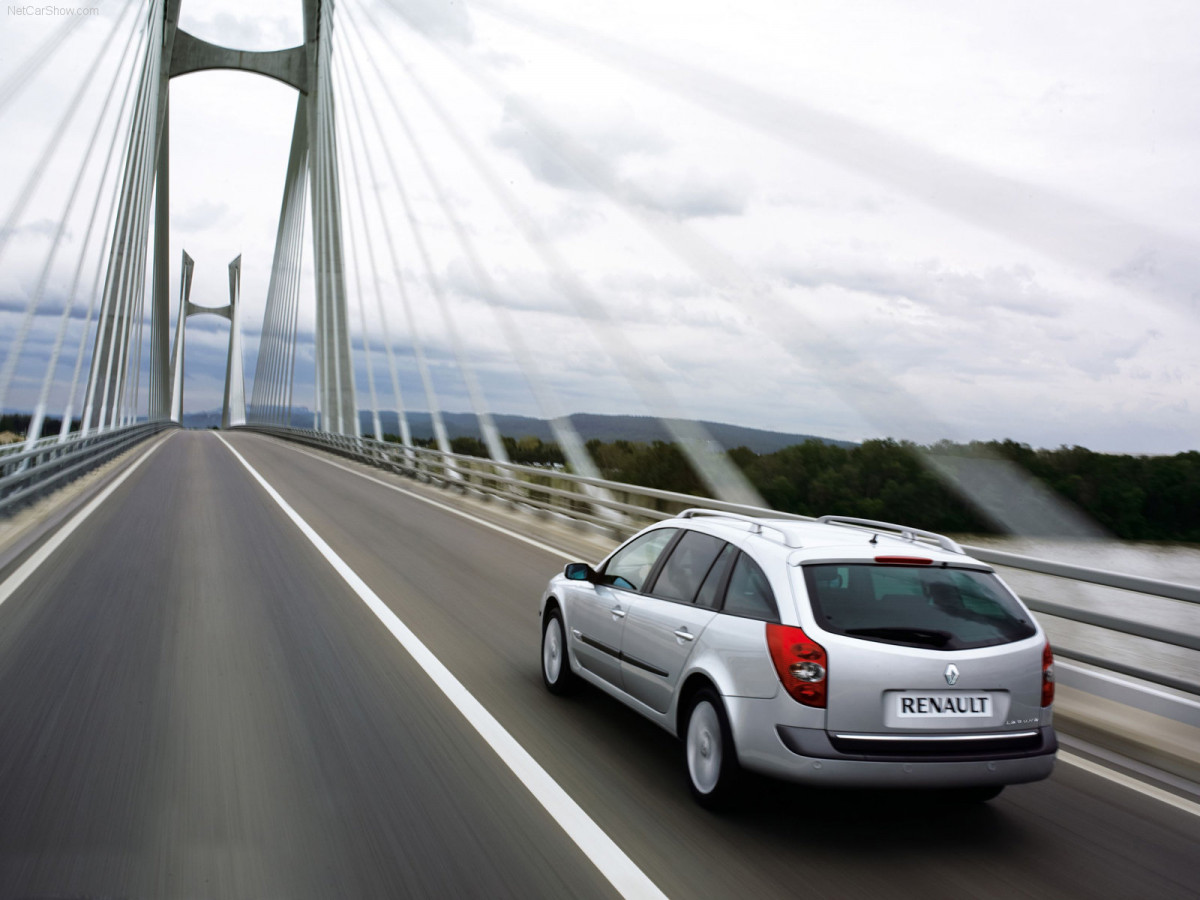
836 652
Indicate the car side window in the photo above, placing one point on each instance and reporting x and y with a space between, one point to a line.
749 594
709 595
630 566
685 568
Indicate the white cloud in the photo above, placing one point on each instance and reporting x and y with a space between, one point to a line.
609 135
1008 234
693 195
200 216
438 19
37 228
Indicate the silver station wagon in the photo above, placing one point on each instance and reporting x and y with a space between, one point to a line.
837 652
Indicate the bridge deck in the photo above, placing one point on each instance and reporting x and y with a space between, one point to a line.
192 702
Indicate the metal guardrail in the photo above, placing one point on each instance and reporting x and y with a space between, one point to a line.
1172 590
28 472
622 509
8 450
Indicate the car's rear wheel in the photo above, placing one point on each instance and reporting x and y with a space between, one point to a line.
712 765
556 666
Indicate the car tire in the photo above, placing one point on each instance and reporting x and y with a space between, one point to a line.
556 664
709 752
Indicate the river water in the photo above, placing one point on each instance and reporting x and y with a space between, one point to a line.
1165 562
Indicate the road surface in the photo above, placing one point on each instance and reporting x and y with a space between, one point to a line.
194 702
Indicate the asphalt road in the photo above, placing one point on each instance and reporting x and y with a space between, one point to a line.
193 703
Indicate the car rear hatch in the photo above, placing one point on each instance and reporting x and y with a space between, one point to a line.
924 651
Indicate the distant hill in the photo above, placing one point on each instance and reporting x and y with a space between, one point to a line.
644 429
210 418
592 425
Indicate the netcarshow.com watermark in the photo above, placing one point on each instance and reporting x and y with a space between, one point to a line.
47 10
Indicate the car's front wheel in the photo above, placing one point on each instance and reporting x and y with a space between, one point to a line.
556 667
713 770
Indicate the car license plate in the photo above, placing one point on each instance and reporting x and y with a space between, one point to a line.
942 705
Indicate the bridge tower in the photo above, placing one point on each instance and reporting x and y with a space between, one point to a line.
174 52
233 411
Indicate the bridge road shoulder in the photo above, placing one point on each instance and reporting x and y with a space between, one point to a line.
1164 744
25 529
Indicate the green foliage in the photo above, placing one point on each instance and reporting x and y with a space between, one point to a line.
528 450
468 446
657 465
1154 498
531 451
880 479
18 423
1133 497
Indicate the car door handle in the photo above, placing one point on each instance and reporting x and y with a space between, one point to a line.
618 613
684 635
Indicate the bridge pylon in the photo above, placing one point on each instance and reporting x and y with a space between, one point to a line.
233 411
173 52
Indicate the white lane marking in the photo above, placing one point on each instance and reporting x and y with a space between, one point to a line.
1133 784
1068 758
27 568
610 859
445 506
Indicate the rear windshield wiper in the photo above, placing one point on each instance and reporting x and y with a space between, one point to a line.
928 636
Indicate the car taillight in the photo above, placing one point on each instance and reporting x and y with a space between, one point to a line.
800 662
1047 675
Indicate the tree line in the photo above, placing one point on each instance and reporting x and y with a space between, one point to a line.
18 423
1153 498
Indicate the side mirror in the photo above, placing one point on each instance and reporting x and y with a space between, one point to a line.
579 572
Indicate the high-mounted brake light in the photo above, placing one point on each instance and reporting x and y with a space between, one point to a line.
904 560
800 662
1047 675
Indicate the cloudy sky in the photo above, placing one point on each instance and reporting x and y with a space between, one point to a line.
928 220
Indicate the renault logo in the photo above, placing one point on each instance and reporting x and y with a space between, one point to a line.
951 674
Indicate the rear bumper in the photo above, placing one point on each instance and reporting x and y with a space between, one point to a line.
812 756
820 744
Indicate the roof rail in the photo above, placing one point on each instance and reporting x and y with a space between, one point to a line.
907 532
756 524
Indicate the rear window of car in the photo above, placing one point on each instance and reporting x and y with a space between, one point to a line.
918 606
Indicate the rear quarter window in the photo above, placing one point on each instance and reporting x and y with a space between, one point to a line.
749 594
